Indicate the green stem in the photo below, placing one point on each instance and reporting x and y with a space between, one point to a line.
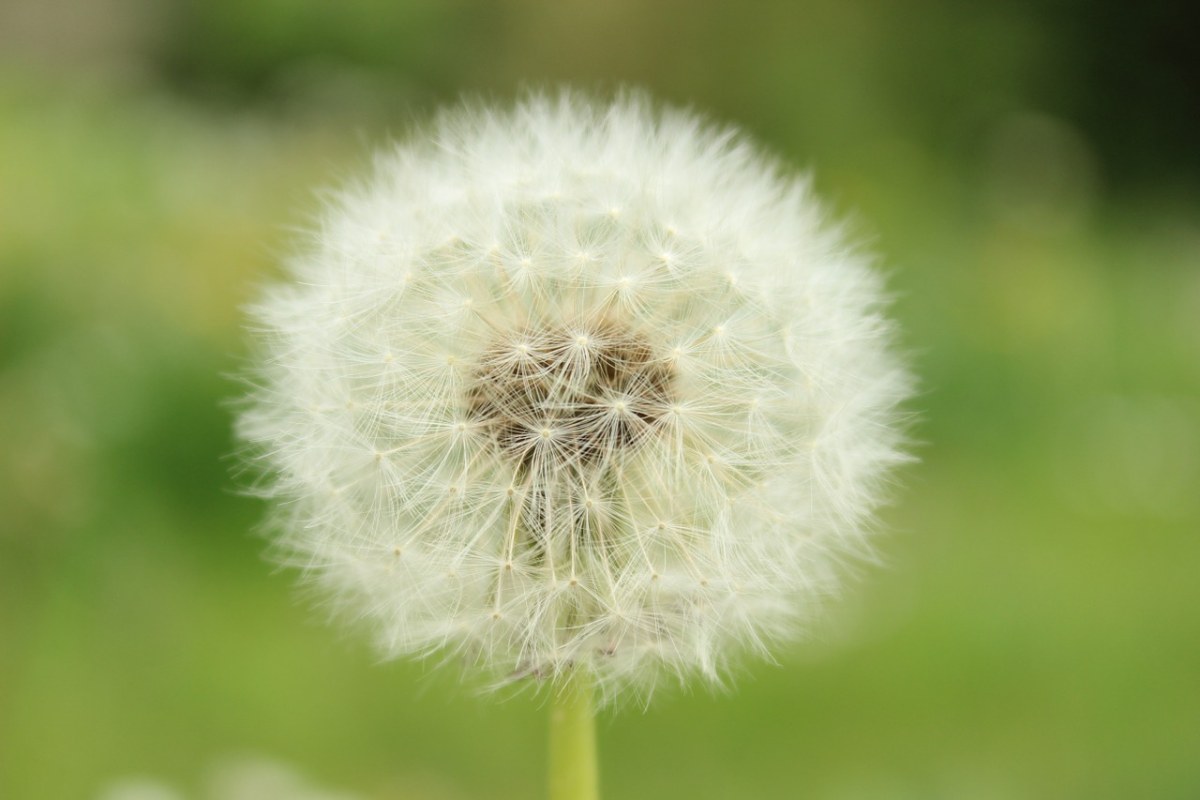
574 774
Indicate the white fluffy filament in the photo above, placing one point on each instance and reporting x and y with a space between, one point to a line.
576 385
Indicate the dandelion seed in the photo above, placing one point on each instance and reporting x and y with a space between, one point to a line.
613 398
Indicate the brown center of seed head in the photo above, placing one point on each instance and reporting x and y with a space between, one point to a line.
570 395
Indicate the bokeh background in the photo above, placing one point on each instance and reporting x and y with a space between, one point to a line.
1028 173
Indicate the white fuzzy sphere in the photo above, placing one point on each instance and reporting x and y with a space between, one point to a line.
576 386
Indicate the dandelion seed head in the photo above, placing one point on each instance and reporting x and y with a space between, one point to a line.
610 394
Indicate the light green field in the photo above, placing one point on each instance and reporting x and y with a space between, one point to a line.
1032 631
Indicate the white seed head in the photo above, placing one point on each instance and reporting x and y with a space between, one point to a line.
576 386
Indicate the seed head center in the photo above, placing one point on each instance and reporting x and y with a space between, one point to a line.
571 395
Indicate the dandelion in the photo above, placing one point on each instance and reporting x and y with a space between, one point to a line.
588 394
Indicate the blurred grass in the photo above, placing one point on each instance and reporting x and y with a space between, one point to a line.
1035 633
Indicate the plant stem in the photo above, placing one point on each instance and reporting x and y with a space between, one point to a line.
574 774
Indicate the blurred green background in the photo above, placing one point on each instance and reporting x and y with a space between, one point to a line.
1028 172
